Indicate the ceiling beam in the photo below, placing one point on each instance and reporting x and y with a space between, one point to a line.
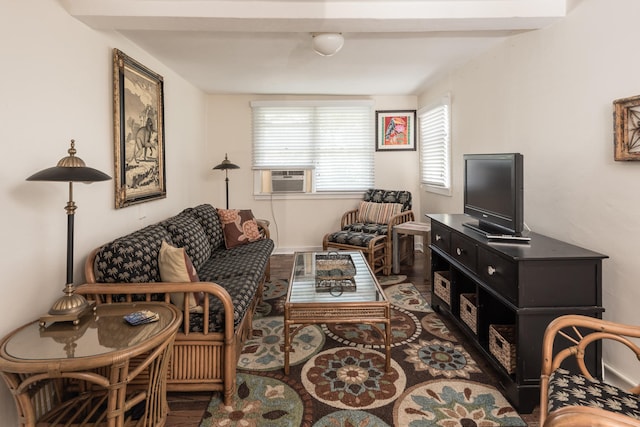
305 16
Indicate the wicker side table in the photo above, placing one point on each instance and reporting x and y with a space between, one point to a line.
70 375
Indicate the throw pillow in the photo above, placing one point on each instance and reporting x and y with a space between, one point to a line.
239 227
175 266
378 213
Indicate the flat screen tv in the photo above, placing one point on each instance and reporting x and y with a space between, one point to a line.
493 192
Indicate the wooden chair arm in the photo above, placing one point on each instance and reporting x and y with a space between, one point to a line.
580 416
103 293
405 216
263 226
348 218
580 331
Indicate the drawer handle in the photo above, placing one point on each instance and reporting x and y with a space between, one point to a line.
459 251
491 270
438 237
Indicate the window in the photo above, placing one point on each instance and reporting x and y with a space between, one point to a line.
434 133
334 139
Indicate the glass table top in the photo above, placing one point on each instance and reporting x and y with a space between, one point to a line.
302 288
96 334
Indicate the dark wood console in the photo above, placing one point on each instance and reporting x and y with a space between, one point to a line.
524 285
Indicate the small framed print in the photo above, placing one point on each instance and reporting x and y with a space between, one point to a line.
626 128
395 130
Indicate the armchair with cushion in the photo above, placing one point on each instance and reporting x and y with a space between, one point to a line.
368 228
572 399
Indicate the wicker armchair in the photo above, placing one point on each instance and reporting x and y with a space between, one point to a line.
571 399
369 228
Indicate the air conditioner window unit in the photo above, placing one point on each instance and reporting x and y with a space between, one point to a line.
288 181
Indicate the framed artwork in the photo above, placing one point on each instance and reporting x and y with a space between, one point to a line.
626 128
395 130
138 110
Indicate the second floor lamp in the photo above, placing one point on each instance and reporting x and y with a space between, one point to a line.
225 166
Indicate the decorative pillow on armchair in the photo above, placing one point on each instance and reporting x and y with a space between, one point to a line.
175 266
239 226
377 213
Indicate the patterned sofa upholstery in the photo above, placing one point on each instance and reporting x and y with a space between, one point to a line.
206 352
373 234
577 398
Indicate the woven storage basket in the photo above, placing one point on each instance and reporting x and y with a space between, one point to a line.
442 285
469 311
502 344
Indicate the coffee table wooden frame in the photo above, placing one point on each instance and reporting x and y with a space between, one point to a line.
100 381
297 315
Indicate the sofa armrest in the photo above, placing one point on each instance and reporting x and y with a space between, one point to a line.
263 226
103 293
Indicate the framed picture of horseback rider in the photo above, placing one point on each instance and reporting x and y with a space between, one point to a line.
138 110
395 130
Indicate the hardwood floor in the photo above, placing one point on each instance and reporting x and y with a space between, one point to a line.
186 409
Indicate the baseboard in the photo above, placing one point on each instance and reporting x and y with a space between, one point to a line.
616 378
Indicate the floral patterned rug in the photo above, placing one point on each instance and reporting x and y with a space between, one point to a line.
338 378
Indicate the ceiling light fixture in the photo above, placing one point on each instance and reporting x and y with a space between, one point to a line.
327 44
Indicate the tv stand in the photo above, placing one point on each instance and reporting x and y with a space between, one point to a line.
524 286
492 235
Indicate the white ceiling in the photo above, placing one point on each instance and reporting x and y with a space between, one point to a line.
264 46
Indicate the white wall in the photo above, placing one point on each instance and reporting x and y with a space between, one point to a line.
548 94
296 224
57 85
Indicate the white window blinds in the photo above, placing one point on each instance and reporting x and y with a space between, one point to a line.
435 146
333 138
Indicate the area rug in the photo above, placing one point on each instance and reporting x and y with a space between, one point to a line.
337 376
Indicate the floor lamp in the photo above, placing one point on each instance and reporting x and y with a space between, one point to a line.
226 165
70 307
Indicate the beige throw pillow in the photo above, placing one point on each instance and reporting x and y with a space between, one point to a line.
175 266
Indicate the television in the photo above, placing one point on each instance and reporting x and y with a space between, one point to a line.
493 193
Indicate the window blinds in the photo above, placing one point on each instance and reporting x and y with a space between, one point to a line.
333 138
435 144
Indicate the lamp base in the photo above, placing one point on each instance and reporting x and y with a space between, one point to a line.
68 308
75 317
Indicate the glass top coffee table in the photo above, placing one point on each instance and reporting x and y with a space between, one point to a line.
354 300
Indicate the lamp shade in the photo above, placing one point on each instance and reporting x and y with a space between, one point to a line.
226 164
70 169
327 44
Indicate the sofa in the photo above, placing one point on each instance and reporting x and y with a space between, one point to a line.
218 297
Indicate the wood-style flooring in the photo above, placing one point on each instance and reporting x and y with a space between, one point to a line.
186 409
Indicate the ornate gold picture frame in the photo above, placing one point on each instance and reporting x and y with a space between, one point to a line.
626 128
138 111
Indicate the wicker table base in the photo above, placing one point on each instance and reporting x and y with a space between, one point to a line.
66 375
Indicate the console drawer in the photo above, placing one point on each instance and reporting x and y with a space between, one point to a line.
440 236
464 251
499 274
